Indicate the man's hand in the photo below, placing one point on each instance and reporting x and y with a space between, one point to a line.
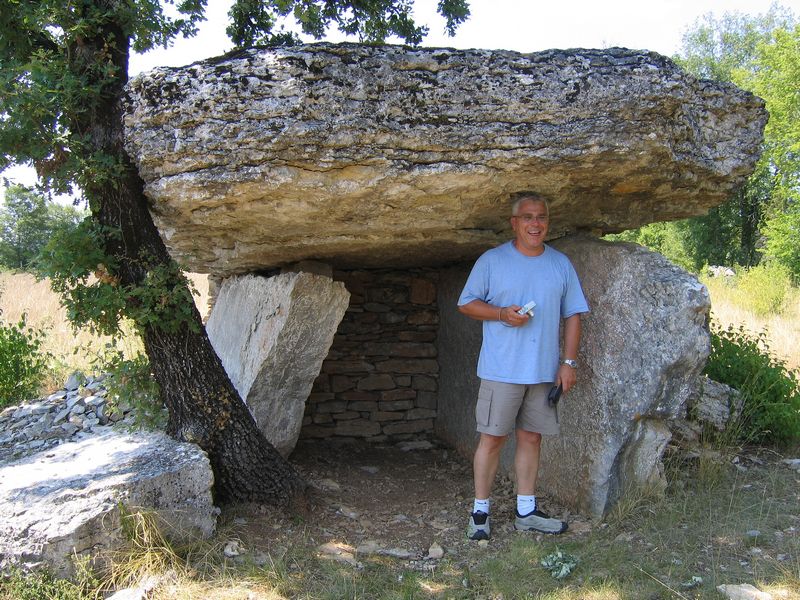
566 377
510 316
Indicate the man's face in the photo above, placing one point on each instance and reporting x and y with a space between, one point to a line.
530 226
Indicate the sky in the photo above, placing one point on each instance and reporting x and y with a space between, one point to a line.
521 25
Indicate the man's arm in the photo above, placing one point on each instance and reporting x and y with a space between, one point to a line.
572 338
482 311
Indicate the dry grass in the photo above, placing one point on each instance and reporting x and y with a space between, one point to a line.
782 330
73 350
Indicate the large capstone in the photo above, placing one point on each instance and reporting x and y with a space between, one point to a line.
67 502
388 156
272 334
644 344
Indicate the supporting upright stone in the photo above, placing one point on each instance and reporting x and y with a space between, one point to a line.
643 347
272 334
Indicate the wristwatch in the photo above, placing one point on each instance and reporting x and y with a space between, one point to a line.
570 362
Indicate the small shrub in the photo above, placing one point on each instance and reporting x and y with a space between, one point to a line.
23 364
38 585
764 288
770 391
130 382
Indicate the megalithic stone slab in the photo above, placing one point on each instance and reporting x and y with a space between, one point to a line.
272 334
64 502
389 156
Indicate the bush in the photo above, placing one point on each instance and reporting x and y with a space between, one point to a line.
39 586
130 382
770 391
764 288
23 365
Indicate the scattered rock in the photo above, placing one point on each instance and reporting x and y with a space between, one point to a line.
232 548
327 485
340 552
40 424
435 552
752 533
792 463
139 592
743 592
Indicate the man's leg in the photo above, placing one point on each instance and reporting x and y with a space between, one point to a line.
526 461
484 467
539 416
486 462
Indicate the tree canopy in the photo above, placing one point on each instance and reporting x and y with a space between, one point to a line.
760 221
27 222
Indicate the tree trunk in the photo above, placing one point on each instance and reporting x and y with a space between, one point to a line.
203 405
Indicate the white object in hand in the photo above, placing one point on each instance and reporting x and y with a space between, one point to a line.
527 309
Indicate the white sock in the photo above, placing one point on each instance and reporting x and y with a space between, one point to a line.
481 505
526 504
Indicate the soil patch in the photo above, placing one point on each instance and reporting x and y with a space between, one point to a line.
400 498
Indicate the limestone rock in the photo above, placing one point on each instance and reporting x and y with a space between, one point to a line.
365 156
272 335
643 346
63 501
711 404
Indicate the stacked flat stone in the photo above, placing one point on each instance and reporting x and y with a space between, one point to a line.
380 379
73 413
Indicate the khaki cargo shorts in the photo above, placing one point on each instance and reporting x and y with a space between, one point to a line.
503 407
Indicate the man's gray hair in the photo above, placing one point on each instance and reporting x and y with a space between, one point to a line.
521 197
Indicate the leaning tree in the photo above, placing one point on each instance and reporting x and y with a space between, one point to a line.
63 70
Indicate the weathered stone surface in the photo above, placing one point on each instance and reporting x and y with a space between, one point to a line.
63 501
710 405
643 347
272 335
408 156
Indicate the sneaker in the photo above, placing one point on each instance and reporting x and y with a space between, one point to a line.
538 521
478 527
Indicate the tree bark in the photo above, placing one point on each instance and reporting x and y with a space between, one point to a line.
204 407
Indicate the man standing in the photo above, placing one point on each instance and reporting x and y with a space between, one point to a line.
519 359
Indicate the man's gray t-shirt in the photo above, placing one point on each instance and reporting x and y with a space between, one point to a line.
503 276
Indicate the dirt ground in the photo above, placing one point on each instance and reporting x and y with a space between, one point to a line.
386 499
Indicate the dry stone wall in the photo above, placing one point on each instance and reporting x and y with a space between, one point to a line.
380 379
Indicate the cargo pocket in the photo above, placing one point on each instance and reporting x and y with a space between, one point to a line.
483 407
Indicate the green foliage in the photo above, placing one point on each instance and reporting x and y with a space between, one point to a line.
755 53
81 273
39 585
23 365
254 22
559 564
770 392
775 76
782 234
714 48
54 76
763 289
27 221
130 382
668 239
